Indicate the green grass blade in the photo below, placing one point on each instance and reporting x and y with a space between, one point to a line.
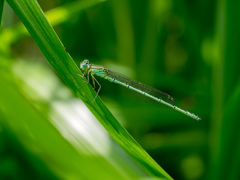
226 95
1 10
55 16
227 159
39 143
18 114
40 29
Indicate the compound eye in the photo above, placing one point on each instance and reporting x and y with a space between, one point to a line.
84 64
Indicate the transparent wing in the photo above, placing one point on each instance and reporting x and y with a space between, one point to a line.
154 92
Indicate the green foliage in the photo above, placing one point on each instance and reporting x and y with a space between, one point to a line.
57 56
187 49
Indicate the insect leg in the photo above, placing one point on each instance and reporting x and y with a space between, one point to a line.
86 71
94 79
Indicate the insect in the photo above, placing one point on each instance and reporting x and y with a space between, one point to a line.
138 87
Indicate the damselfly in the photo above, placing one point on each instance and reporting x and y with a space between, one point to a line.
138 87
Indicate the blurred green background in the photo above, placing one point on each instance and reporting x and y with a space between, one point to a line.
188 49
